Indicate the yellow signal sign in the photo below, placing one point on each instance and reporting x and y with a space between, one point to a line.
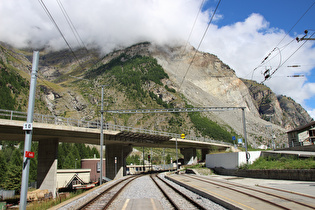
182 135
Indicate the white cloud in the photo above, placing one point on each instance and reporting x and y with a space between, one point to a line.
110 24
311 112
243 46
107 23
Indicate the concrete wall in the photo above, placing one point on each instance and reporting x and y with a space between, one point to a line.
289 174
230 160
47 165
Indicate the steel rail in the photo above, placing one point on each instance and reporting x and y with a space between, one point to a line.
182 194
194 203
174 205
208 180
286 191
99 196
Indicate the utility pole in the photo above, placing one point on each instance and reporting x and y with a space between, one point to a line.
245 135
28 127
143 159
101 137
176 156
303 38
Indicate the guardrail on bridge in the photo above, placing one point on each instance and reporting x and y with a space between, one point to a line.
57 120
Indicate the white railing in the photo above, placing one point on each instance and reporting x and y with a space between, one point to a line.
56 120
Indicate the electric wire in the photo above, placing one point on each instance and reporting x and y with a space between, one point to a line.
204 34
73 29
279 52
71 25
287 59
59 30
200 8
264 60
192 29
62 35
296 23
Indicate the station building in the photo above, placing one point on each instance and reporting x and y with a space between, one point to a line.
94 165
302 136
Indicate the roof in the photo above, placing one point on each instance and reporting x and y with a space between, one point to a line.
303 127
80 170
75 177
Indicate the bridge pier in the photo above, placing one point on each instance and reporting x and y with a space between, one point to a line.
204 153
190 155
116 155
47 165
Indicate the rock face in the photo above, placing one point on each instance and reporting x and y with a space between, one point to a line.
294 114
209 82
279 110
205 82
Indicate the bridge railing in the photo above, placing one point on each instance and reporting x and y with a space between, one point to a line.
57 120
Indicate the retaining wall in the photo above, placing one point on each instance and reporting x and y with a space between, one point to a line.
285 174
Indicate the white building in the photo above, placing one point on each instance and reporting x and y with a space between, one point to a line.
230 160
75 176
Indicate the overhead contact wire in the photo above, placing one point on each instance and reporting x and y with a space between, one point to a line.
287 59
71 25
59 30
283 39
192 29
204 34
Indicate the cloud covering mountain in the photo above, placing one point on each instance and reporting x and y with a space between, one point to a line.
110 24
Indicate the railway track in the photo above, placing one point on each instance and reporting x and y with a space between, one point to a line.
250 197
105 199
176 198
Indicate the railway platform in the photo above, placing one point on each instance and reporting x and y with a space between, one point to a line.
249 193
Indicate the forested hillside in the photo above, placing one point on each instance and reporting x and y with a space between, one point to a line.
14 88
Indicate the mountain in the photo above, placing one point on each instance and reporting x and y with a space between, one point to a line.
145 76
280 110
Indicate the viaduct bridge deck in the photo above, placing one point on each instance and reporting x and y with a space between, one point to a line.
78 131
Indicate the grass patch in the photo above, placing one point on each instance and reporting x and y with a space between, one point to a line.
281 163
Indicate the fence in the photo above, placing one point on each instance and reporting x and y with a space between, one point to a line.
6 194
56 120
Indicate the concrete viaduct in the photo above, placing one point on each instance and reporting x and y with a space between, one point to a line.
118 141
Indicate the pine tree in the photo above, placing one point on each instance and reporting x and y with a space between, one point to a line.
34 161
94 151
14 172
3 169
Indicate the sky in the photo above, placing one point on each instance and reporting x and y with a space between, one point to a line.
242 33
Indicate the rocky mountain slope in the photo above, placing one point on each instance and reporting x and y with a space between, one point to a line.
279 110
71 87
